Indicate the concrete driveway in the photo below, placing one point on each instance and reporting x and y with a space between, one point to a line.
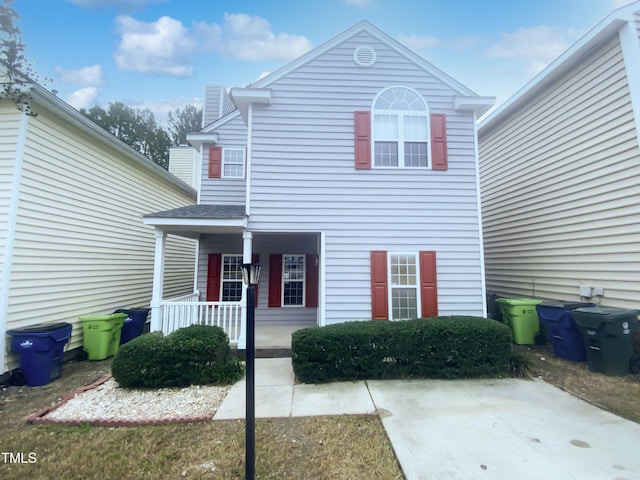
464 429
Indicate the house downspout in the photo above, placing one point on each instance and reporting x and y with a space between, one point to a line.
11 230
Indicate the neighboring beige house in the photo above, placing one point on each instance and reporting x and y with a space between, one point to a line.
72 240
560 174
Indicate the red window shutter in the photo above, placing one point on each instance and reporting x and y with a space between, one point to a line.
428 284
275 280
213 277
215 162
255 258
439 159
311 277
362 128
379 295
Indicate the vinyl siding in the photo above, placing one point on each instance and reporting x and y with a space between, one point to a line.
212 99
303 179
225 191
560 189
217 103
80 245
184 163
9 127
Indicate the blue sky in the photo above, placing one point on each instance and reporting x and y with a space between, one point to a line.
159 54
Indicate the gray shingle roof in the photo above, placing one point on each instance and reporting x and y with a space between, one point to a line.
202 211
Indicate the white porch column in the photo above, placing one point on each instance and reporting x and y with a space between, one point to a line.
247 254
158 280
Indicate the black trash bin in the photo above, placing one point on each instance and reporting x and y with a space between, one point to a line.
134 323
561 329
41 349
607 334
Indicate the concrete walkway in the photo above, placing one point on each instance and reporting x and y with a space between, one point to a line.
463 429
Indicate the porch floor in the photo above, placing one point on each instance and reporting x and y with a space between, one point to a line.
274 341
275 336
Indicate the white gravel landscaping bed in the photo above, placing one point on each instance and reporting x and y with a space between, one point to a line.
107 401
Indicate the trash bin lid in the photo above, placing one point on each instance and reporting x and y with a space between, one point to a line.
608 311
566 305
519 301
139 310
99 318
40 328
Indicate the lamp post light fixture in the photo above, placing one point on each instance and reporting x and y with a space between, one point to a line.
251 276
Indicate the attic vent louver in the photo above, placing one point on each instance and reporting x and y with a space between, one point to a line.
364 56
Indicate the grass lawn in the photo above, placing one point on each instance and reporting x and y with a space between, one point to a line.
343 447
337 447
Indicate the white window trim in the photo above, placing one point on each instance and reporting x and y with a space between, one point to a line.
400 114
304 280
244 162
222 280
390 288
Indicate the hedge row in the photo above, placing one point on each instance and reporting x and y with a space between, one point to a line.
440 347
195 355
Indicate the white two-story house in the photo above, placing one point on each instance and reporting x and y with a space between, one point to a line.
351 175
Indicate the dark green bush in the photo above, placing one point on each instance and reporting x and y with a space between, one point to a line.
440 347
195 355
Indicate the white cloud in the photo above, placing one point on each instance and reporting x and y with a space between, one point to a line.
161 47
251 38
420 43
160 108
620 3
83 98
536 46
88 76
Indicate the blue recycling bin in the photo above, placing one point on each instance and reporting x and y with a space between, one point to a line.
41 349
133 325
562 331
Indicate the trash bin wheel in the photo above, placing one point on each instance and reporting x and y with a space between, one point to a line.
18 378
83 355
634 365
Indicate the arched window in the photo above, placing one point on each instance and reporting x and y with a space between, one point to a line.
400 129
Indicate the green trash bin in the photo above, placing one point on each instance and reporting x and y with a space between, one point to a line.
521 316
101 335
607 333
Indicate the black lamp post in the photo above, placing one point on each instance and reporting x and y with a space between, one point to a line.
250 275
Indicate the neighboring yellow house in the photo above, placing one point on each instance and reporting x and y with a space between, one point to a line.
72 241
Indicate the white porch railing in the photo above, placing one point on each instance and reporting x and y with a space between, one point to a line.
187 310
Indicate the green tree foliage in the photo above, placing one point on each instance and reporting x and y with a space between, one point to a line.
182 122
139 129
135 127
16 73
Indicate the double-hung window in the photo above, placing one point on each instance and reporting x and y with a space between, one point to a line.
400 129
233 162
293 287
231 279
403 280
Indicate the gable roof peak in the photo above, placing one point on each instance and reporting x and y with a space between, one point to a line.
368 27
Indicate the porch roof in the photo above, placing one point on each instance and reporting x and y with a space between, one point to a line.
193 220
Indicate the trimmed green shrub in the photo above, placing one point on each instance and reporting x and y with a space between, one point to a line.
440 347
194 355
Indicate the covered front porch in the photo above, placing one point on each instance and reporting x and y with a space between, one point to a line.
288 296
